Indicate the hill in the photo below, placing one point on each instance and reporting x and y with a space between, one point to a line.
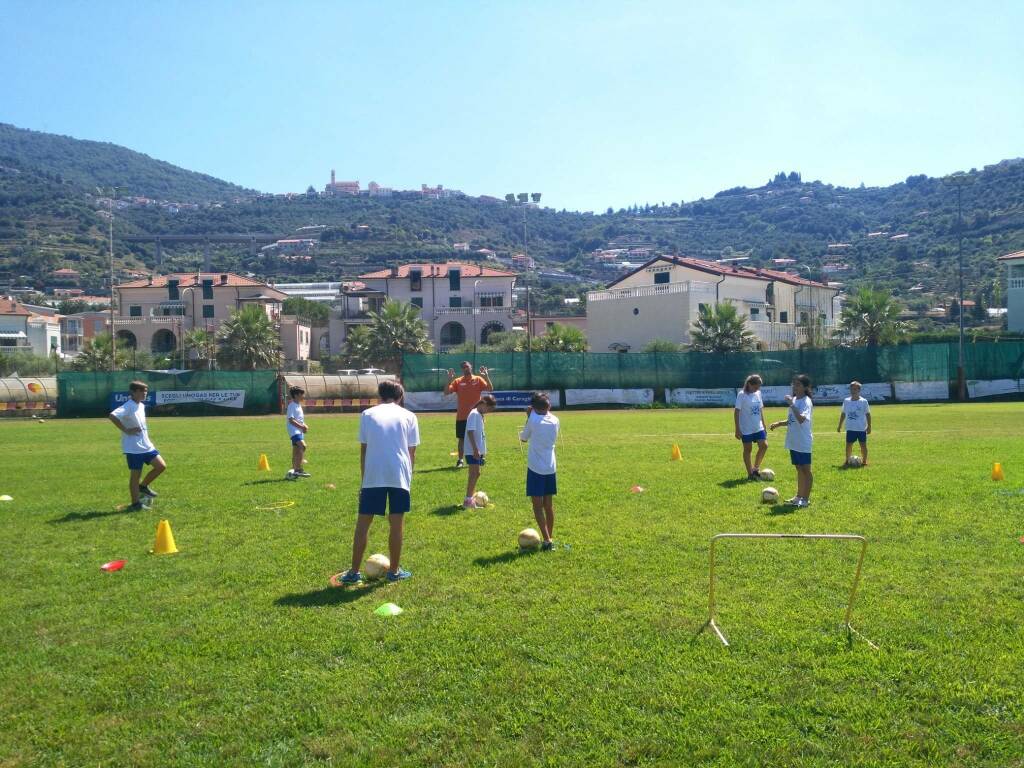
91 164
903 236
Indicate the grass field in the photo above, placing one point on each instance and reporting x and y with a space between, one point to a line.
236 652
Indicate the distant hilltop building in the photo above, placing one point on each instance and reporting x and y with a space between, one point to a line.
338 188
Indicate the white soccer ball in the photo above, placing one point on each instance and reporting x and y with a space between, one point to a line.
529 539
376 566
766 474
855 461
769 495
481 499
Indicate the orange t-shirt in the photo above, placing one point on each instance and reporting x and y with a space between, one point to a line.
468 392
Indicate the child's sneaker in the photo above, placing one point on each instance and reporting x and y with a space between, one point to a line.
400 575
145 491
804 502
303 473
351 577
755 475
547 546
290 475
460 463
794 502
136 507
469 503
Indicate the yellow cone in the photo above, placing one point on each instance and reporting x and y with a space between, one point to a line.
997 471
677 455
264 465
164 544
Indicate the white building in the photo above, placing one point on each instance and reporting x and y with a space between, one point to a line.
662 298
1014 290
326 293
22 330
458 301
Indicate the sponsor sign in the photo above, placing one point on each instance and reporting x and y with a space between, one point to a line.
977 389
225 398
921 390
708 397
609 396
117 399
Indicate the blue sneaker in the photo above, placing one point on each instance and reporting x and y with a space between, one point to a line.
400 575
351 577
547 546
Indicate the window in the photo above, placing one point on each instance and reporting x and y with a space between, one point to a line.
783 317
492 300
417 301
135 310
549 324
172 290
454 280
454 301
803 317
416 280
755 313
207 292
207 308
661 278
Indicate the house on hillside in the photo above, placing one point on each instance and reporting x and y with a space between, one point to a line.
22 330
459 302
661 299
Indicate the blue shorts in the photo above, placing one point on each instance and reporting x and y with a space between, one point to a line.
540 485
137 460
373 501
476 462
799 459
298 438
755 437
856 437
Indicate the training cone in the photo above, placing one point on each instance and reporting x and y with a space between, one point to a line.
388 609
164 544
997 471
263 465
677 455
636 489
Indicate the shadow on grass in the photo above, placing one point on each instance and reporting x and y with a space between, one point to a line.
782 509
266 480
78 517
452 468
320 598
504 557
735 483
448 509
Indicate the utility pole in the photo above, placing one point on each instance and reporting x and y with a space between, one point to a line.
524 199
113 336
960 180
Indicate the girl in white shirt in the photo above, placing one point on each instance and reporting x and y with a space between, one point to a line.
799 437
749 425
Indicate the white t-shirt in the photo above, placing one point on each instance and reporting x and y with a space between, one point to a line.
388 431
856 412
294 412
541 433
475 424
799 436
750 406
133 415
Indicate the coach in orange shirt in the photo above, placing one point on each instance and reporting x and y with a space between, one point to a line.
468 389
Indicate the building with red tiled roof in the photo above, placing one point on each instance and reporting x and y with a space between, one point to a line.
459 301
1014 290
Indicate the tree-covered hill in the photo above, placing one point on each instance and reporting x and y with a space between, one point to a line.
902 237
90 164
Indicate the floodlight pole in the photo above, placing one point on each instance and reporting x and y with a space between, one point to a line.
113 338
960 180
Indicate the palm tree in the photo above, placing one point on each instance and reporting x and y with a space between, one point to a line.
96 355
248 340
721 328
871 318
357 346
203 344
394 330
661 346
561 338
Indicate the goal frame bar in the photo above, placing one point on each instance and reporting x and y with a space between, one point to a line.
850 629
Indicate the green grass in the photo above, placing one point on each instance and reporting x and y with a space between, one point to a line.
235 651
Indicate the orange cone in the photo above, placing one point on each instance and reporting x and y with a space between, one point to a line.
677 455
263 465
997 471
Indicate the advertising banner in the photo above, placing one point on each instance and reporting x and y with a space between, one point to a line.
225 398
609 396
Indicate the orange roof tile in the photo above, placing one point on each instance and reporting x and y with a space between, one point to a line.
189 278
12 307
1011 256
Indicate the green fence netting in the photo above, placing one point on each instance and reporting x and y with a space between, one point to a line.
990 362
833 365
89 394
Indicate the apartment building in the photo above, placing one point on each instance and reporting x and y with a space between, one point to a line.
1014 290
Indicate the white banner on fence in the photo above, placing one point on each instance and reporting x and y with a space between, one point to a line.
836 393
717 397
609 396
226 398
921 390
993 388
775 395
435 401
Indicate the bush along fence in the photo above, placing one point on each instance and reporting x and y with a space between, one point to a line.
908 373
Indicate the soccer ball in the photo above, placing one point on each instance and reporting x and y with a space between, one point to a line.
769 495
529 539
376 566
855 461
481 499
766 474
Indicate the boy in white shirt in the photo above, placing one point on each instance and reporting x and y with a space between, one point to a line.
799 438
748 423
130 418
541 432
857 415
476 445
388 436
297 429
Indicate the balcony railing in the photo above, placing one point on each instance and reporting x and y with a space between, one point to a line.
468 311
649 290
1017 282
18 348
170 321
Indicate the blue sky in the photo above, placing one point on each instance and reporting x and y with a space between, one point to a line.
594 104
